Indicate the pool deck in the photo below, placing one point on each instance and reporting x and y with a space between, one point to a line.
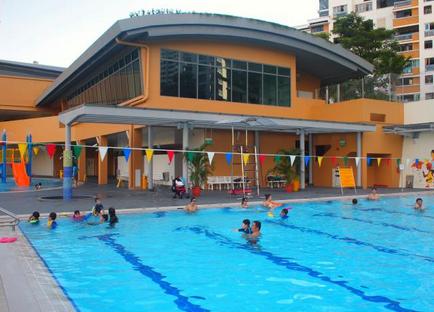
27 285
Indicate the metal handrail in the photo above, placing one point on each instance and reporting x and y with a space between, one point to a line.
14 217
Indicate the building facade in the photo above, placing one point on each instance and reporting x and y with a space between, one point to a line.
175 81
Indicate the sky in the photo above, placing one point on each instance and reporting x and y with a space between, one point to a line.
56 32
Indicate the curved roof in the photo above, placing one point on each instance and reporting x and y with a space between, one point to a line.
329 62
12 68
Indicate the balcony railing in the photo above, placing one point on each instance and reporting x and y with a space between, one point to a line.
399 4
429 33
339 14
403 37
429 67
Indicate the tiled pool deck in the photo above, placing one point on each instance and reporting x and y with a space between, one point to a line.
27 285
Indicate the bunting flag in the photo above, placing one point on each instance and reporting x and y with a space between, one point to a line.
149 153
77 151
51 150
102 152
416 161
127 152
398 162
170 155
277 158
319 158
334 161
388 162
23 149
210 157
368 161
261 159
228 158
246 158
190 156
306 160
378 161
357 160
292 158
35 150
345 160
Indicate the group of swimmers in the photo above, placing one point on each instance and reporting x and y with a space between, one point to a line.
96 216
375 196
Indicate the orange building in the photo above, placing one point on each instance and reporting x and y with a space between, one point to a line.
176 81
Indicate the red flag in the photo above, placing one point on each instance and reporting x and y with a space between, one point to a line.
261 159
334 161
51 149
388 162
170 154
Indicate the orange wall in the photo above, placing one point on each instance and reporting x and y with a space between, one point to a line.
306 82
20 91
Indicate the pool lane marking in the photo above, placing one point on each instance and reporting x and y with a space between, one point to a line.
399 227
181 301
420 214
294 266
350 240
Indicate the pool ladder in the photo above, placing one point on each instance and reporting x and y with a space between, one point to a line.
5 221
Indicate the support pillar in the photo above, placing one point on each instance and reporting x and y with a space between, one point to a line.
359 154
67 165
81 163
4 156
102 165
310 152
135 162
185 142
150 163
302 166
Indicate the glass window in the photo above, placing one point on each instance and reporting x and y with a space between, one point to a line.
255 67
188 57
429 79
270 89
207 60
239 64
270 69
284 91
223 83
255 88
429 96
169 78
239 86
284 71
223 62
427 9
169 54
188 80
428 44
206 82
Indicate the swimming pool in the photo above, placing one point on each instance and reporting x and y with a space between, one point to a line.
46 183
327 256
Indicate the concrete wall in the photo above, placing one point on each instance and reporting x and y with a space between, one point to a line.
42 165
419 112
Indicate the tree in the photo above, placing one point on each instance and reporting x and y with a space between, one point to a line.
376 45
323 35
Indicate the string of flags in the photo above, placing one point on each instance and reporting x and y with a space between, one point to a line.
51 149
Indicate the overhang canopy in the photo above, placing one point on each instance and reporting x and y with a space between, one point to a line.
329 62
410 128
152 117
19 69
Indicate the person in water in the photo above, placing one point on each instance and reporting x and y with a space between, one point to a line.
374 195
245 227
77 216
192 206
244 203
354 201
38 186
256 231
284 213
113 218
98 209
419 204
269 203
52 224
34 218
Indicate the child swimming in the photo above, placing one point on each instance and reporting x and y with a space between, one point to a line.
77 216
34 218
244 203
269 203
245 227
284 213
113 217
52 224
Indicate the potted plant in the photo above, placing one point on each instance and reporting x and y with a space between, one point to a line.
290 173
199 168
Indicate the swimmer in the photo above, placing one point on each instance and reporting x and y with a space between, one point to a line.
98 209
244 203
34 218
354 201
192 206
269 203
113 217
419 204
374 195
256 230
38 186
52 224
245 227
284 213
77 216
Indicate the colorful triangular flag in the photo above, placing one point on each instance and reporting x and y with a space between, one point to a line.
77 151
345 160
35 150
320 158
388 162
210 157
190 156
23 149
292 159
228 157
378 161
357 160
368 161
102 152
170 155
334 161
306 160
261 159
51 150
246 158
127 152
398 162
149 153
277 158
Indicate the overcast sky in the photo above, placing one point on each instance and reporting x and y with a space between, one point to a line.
56 32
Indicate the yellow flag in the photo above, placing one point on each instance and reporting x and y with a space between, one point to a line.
246 158
320 160
23 148
378 161
149 153
35 150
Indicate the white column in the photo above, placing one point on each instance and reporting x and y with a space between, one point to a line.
359 154
311 159
150 163
302 154
185 134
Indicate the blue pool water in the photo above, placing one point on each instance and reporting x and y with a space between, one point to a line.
327 256
46 183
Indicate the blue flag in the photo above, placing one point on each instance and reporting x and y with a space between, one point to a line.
368 161
228 158
127 152
306 160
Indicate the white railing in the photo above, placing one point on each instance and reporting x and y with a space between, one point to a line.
404 37
399 4
7 222
429 33
429 67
